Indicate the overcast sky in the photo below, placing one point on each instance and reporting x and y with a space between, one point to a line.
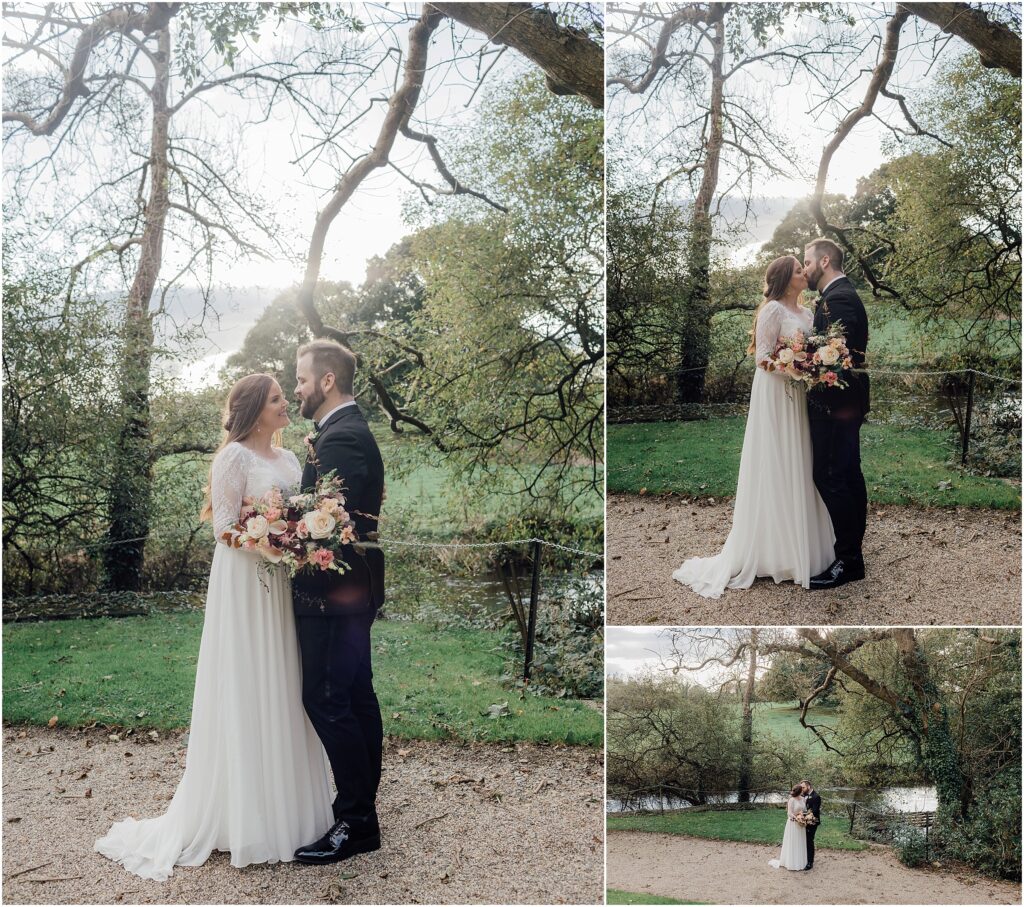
796 113
268 163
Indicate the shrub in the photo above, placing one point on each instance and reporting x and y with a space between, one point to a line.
568 651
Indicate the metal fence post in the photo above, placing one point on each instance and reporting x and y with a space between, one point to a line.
853 815
967 417
927 828
531 626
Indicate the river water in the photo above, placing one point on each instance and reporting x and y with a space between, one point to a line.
902 799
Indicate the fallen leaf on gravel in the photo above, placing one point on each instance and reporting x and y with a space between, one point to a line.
14 819
21 735
52 722
333 893
88 793
445 877
114 738
403 753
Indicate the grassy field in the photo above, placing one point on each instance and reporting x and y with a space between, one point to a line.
901 465
631 897
756 826
895 339
420 497
139 672
783 720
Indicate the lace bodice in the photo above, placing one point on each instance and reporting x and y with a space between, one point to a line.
241 473
775 321
795 806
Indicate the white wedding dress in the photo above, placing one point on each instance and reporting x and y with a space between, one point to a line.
794 838
780 527
256 777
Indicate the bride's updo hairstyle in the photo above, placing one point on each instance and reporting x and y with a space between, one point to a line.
242 411
776 281
797 790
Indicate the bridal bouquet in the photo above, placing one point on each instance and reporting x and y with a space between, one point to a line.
806 818
814 359
301 532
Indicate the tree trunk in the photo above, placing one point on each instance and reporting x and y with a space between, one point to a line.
572 62
131 463
747 752
997 46
695 334
938 746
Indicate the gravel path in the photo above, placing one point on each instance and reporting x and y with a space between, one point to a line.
462 824
953 567
724 872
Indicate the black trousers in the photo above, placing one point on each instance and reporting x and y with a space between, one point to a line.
337 691
811 831
840 482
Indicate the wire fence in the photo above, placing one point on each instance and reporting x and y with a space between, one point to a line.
523 606
979 406
868 820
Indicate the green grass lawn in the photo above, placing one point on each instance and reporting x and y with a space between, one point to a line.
782 719
140 671
615 896
901 465
756 826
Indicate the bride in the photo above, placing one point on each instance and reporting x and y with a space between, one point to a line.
255 781
780 527
794 838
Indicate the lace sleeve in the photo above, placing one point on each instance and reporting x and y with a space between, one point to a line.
769 325
227 486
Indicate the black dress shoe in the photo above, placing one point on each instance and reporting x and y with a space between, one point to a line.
808 866
837 573
339 844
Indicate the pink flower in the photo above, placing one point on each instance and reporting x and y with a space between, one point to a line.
300 529
348 535
323 558
272 513
830 378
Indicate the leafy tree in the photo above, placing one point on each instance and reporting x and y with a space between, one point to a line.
59 418
510 327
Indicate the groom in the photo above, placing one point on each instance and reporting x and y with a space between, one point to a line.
334 611
836 415
814 805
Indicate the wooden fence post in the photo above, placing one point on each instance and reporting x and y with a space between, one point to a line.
967 418
531 626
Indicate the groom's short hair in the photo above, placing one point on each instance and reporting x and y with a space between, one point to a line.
331 356
822 246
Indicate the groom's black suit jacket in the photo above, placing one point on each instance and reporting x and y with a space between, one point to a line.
840 302
345 444
814 804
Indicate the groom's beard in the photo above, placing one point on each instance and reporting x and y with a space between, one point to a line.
814 277
311 404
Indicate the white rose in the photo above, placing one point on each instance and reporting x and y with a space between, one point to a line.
319 524
786 356
828 356
257 527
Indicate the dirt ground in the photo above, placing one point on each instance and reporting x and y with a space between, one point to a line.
944 567
725 872
461 824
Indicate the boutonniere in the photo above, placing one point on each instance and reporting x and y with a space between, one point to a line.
310 439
